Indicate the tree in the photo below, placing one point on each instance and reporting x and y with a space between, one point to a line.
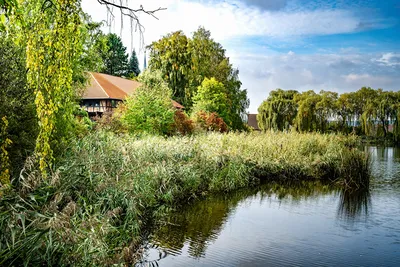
278 111
51 32
170 55
17 103
211 97
133 66
325 109
94 45
185 63
149 109
115 57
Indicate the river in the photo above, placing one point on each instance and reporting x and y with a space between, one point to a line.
299 224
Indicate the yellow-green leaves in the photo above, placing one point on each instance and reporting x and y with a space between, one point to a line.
5 142
52 43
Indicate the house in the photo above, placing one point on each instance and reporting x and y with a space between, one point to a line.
252 121
104 92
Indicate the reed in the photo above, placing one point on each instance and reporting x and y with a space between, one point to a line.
107 188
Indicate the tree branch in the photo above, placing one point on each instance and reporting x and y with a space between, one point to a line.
132 13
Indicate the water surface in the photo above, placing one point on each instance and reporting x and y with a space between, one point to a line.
289 225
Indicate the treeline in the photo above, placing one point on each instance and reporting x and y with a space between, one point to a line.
366 112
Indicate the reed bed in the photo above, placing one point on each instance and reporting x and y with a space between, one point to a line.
107 189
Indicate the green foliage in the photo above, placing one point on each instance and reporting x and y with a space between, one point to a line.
133 66
170 55
94 43
51 54
211 97
185 63
367 112
112 121
115 57
17 103
149 109
5 143
278 111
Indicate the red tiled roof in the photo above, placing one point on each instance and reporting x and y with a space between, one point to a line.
104 86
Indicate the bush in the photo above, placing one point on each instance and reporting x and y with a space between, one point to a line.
210 122
149 109
112 121
17 104
212 97
182 124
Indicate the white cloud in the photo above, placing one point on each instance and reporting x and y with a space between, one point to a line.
231 20
390 59
264 70
335 72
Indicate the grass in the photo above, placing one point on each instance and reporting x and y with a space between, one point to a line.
95 206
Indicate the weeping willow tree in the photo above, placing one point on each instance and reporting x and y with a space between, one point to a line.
306 119
368 112
278 111
51 32
325 109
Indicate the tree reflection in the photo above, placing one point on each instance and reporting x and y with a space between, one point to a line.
200 223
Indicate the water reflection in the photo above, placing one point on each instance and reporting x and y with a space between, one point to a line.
198 225
353 205
306 223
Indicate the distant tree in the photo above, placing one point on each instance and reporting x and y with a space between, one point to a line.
133 65
306 119
186 62
325 109
278 111
94 46
115 57
171 56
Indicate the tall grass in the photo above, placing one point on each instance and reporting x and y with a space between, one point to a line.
93 209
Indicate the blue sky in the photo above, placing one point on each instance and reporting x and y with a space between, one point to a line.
289 44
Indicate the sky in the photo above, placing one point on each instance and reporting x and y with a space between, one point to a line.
289 44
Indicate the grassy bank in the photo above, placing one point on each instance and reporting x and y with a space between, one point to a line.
94 207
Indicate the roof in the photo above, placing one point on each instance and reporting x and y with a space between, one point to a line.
104 86
252 121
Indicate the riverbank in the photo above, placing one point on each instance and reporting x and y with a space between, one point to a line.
94 207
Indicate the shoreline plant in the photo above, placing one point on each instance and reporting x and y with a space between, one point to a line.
96 204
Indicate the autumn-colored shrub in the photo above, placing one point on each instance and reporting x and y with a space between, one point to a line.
210 121
182 124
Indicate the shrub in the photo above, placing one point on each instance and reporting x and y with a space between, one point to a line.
212 97
149 109
112 121
210 122
182 124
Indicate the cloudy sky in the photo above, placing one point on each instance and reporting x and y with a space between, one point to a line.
290 44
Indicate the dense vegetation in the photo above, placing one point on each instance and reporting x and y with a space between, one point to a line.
366 112
74 191
93 212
